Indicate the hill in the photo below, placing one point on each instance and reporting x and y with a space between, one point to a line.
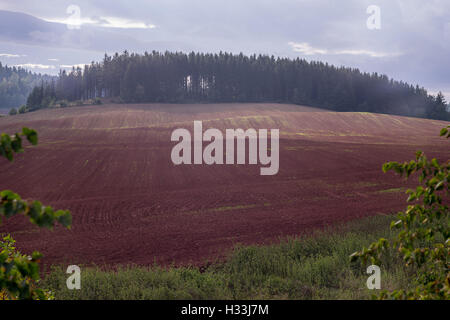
15 86
110 165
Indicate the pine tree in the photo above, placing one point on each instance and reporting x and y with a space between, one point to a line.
224 77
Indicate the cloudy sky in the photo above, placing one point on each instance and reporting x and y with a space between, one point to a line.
412 42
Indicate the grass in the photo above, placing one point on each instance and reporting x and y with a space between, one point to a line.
393 190
220 209
310 267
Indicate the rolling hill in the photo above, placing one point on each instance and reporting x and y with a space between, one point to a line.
110 165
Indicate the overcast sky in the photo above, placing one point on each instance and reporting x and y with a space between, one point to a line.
412 43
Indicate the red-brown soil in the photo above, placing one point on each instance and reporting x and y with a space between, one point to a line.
110 165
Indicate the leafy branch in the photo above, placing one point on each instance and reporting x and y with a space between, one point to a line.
19 274
10 144
423 241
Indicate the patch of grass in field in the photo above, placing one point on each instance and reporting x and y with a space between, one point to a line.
310 267
392 190
365 184
228 208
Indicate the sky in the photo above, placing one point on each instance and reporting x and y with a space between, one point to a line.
408 40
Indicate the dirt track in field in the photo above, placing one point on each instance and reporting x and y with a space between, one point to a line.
110 165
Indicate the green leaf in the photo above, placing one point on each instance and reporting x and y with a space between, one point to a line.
31 135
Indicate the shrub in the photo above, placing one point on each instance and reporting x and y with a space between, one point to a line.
424 238
19 279
23 109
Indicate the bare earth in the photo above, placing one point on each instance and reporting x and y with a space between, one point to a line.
110 165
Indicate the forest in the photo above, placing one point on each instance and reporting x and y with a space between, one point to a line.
16 84
176 77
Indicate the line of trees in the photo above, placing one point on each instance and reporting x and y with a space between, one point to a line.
176 77
16 84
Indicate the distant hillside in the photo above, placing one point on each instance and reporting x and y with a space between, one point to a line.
15 86
198 77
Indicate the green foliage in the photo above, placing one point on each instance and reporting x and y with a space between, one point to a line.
11 204
423 241
12 112
445 132
11 144
19 274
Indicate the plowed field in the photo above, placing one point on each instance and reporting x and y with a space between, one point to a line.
110 165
